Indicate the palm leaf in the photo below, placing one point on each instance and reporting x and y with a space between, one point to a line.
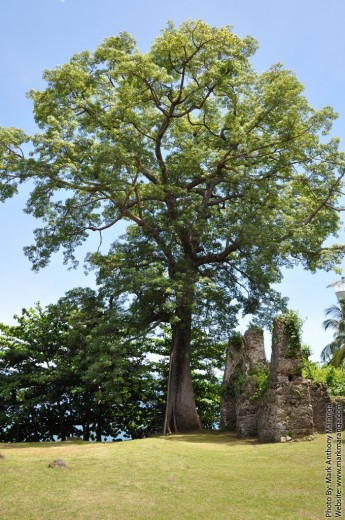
334 352
338 357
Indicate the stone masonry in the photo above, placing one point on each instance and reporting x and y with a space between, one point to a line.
285 409
289 405
254 359
320 399
233 366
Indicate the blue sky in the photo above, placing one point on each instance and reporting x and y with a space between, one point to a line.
307 36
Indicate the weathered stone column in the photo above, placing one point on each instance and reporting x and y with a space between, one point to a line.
233 365
286 360
254 361
254 357
319 399
285 409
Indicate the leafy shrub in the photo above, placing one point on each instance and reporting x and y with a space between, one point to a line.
333 377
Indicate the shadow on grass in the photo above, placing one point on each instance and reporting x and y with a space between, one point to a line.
45 444
213 437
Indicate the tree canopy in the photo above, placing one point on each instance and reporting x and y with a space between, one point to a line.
223 175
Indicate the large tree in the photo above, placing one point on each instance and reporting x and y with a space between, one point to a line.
224 175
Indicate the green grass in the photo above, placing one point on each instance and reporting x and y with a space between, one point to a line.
211 476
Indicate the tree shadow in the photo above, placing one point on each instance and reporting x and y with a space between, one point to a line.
44 444
211 437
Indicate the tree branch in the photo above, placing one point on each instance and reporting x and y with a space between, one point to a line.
323 203
217 257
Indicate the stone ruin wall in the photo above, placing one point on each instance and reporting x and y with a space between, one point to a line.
290 406
286 408
254 359
320 399
233 365
244 357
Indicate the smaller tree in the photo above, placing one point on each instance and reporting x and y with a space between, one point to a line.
76 366
32 405
334 352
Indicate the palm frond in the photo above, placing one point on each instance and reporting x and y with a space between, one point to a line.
330 323
336 311
334 352
338 357
328 352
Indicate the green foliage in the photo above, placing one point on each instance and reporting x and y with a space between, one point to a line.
296 392
306 350
334 377
73 367
216 167
207 396
260 378
78 367
236 340
207 365
293 327
234 387
334 352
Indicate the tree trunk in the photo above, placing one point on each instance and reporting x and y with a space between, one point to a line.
62 423
99 431
181 414
86 432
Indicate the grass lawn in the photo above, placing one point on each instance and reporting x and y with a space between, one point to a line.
211 476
